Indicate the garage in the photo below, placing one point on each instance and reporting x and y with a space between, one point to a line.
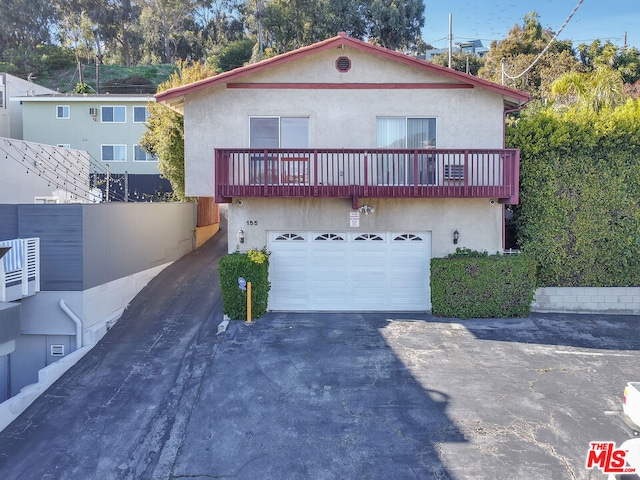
349 271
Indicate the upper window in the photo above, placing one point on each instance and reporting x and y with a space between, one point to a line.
62 111
401 132
114 114
279 132
140 114
114 153
139 155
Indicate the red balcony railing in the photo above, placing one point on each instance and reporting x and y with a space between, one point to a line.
435 173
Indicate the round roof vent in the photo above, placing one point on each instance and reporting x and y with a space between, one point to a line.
343 64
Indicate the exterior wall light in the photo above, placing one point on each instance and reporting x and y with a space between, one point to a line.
456 235
366 209
240 236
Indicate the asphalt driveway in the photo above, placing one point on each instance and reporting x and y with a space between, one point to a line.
325 396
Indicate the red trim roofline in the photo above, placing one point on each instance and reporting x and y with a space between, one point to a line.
335 42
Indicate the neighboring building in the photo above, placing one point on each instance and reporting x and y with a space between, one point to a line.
109 127
77 268
472 47
39 173
11 113
354 166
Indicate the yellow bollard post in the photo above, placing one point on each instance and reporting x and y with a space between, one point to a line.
248 302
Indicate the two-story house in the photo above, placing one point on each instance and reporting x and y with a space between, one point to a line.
109 127
353 165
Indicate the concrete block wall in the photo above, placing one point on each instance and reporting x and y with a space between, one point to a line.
604 300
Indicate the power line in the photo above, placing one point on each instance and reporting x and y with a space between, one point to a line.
566 22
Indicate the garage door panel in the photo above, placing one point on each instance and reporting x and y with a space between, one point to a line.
349 271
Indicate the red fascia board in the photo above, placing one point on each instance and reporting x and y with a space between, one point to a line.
349 86
335 42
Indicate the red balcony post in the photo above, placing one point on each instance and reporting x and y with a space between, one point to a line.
366 174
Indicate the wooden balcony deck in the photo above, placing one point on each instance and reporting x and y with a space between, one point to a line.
370 173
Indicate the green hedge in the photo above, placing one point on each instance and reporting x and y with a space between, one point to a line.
253 267
482 286
579 213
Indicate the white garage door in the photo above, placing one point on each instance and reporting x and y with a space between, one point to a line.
348 271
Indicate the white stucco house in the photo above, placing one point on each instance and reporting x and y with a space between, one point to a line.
354 166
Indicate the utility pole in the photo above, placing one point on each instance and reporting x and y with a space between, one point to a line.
107 183
624 47
450 39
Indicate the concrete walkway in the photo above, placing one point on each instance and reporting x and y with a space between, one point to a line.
325 396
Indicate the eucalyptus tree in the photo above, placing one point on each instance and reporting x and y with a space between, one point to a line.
26 24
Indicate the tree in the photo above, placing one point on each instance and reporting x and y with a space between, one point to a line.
26 24
595 90
519 51
395 24
163 20
164 136
287 25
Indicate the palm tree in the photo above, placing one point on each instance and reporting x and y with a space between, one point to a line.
595 90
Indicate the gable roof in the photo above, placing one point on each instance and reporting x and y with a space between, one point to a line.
174 97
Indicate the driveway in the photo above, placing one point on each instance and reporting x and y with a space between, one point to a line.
325 396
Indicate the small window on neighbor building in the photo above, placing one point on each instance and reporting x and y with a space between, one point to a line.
114 153
140 114
139 155
343 64
114 115
62 112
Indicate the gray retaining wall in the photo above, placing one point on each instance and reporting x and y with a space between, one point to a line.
603 300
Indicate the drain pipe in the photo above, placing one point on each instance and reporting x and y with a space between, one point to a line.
76 320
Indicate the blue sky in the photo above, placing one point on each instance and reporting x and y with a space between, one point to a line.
492 19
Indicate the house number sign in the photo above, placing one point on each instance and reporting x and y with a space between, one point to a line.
252 222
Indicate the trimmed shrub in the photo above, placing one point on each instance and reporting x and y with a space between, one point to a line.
476 285
253 267
579 213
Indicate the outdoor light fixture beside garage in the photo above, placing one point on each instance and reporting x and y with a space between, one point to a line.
240 236
456 235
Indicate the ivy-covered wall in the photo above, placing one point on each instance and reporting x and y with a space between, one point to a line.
579 215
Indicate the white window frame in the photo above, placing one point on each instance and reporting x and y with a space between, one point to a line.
397 169
113 107
148 156
66 109
124 149
146 114
280 118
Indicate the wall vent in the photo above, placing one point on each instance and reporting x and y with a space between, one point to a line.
57 350
343 64
93 111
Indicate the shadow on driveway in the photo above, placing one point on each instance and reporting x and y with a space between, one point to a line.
607 332
314 396
291 396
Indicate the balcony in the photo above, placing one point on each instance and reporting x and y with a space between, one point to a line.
371 173
19 269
